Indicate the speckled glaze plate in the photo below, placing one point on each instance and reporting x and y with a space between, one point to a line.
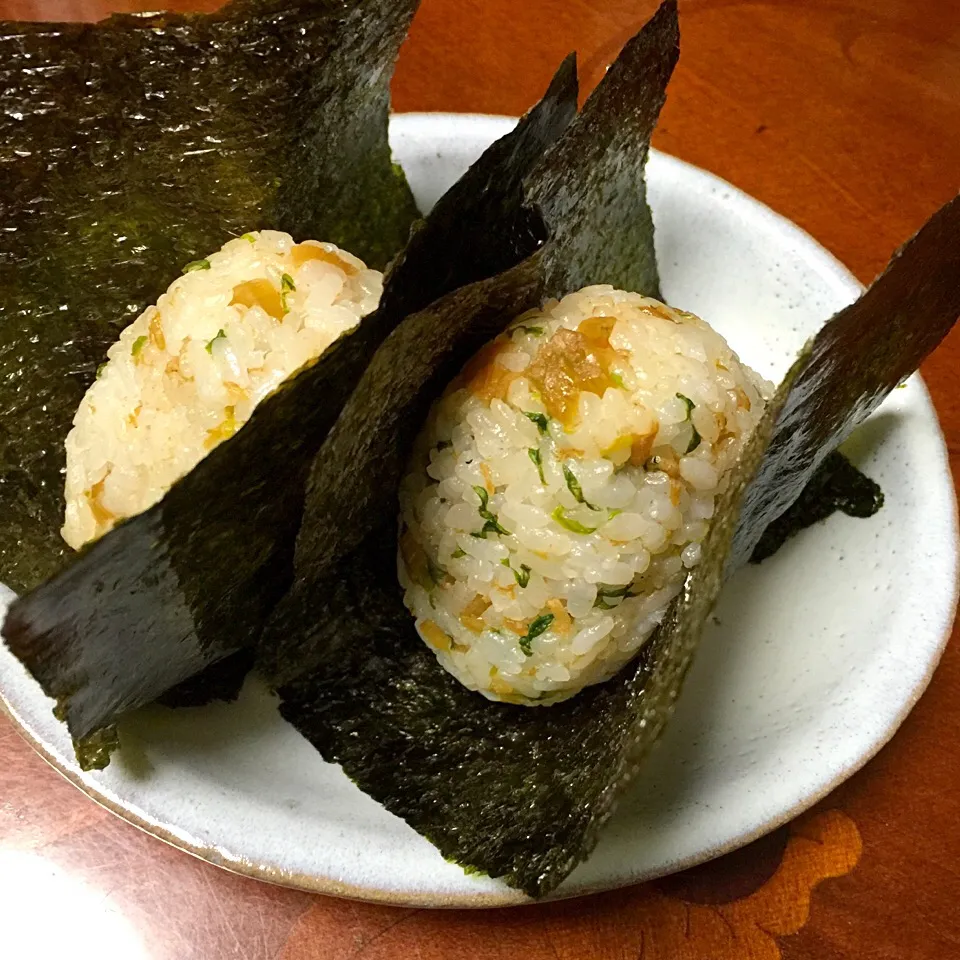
810 664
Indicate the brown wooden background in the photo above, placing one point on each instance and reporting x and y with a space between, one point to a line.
844 115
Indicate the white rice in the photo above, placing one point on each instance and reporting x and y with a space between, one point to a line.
188 372
531 587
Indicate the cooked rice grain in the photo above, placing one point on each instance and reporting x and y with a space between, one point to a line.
188 372
562 487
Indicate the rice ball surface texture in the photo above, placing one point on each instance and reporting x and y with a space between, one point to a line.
561 489
188 372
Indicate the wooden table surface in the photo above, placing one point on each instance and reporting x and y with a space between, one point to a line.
844 115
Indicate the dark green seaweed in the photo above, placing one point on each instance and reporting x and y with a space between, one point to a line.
220 681
302 627
93 752
590 186
131 147
172 591
509 791
522 793
589 190
837 485
483 225
144 143
862 354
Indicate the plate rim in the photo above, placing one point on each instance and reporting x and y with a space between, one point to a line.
498 125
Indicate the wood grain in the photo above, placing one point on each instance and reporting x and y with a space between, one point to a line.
844 115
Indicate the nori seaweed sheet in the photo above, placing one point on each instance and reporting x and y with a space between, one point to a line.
510 791
478 228
862 354
589 190
130 147
522 793
482 225
169 134
222 681
500 788
170 592
836 485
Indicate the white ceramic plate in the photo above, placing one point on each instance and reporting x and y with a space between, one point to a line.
817 656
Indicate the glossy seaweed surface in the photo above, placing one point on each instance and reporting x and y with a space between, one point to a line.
522 793
130 148
168 594
858 357
509 791
589 192
837 485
